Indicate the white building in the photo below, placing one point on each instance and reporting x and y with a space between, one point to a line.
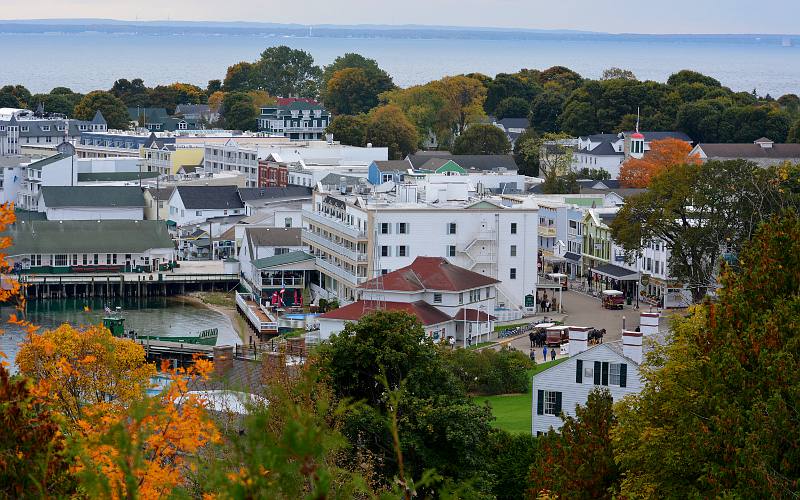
609 151
233 157
449 301
91 202
610 365
357 236
263 242
22 127
192 205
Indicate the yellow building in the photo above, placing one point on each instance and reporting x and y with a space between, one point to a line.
167 159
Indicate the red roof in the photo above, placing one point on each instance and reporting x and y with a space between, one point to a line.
431 273
472 315
285 101
637 135
426 313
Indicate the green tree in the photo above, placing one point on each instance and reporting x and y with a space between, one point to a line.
482 140
510 457
388 126
286 72
578 460
349 130
507 85
239 77
239 111
512 107
614 73
716 417
688 76
133 93
790 103
169 96
113 109
18 94
552 153
564 78
794 133
702 211
528 164
349 92
380 79
546 110
57 103
213 86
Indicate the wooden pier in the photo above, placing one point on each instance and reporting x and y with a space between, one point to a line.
258 317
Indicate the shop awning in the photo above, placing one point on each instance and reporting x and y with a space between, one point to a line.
616 272
572 257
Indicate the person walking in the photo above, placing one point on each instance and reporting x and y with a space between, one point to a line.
533 356
553 354
452 341
544 353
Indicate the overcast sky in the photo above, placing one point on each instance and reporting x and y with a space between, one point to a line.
629 16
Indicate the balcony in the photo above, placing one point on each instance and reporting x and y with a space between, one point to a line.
339 272
334 224
334 247
547 231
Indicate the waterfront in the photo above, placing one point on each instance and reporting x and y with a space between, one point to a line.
89 61
147 316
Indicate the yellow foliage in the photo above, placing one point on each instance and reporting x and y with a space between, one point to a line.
85 367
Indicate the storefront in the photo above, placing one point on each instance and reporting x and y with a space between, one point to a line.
612 277
661 293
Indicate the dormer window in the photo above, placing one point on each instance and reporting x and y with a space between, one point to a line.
45 128
24 128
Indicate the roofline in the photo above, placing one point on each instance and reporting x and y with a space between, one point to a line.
533 379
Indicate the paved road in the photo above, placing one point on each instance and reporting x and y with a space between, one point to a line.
584 310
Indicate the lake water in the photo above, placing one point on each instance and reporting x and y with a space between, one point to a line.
88 61
146 316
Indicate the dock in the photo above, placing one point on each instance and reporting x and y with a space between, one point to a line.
258 317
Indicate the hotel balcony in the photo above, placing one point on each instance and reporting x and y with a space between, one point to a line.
332 246
334 224
340 273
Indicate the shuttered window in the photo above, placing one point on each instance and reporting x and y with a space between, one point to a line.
597 370
540 403
579 372
623 375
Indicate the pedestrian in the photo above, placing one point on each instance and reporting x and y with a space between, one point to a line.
452 341
553 354
555 307
469 341
544 353
533 356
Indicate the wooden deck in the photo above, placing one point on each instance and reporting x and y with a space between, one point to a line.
261 321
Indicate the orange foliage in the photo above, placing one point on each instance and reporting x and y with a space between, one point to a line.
663 154
143 452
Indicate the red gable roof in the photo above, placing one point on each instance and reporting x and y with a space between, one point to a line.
426 313
472 315
431 273
285 101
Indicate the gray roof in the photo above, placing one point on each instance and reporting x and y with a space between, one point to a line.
114 176
210 197
591 183
190 109
657 136
87 236
601 137
622 192
393 165
161 193
470 162
93 196
335 179
615 271
35 126
754 151
602 149
273 236
262 193
514 123
47 161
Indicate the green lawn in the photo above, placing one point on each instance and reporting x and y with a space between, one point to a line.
513 411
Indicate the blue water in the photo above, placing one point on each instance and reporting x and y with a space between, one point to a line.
89 61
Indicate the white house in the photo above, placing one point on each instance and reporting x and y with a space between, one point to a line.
464 297
263 242
610 365
609 151
91 202
191 205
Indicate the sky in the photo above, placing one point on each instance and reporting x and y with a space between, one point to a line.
618 16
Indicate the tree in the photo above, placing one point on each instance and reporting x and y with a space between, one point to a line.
507 85
546 110
688 76
133 93
510 457
239 77
112 108
553 154
617 73
578 460
239 111
213 86
794 133
462 99
512 107
663 154
349 92
702 211
597 174
85 368
387 126
528 164
57 103
379 80
169 96
286 72
482 140
215 101
716 418
790 103
349 130
20 94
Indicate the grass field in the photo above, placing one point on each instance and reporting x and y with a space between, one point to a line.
513 411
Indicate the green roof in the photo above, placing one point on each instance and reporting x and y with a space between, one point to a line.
93 196
47 161
282 260
87 236
115 176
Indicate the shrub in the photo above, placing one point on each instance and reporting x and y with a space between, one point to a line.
491 372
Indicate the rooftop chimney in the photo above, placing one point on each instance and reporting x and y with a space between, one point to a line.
223 359
578 339
648 323
632 345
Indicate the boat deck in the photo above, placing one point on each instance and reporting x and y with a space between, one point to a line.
259 319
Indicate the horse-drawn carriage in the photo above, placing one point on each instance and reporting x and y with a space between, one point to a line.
613 299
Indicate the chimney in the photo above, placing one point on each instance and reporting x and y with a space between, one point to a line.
578 339
632 345
223 359
648 323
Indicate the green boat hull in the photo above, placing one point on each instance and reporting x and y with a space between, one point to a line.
183 340
207 337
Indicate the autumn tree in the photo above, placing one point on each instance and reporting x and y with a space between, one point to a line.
113 109
85 368
463 101
578 460
239 77
350 92
717 415
387 126
617 73
663 154
169 96
482 139
349 130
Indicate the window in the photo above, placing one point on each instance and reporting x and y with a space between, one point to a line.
461 298
385 251
451 228
74 259
548 403
402 228
512 273
402 251
475 295
85 259
618 374
60 260
513 228
451 251
437 298
281 251
385 228
96 259
513 250
36 260
287 222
